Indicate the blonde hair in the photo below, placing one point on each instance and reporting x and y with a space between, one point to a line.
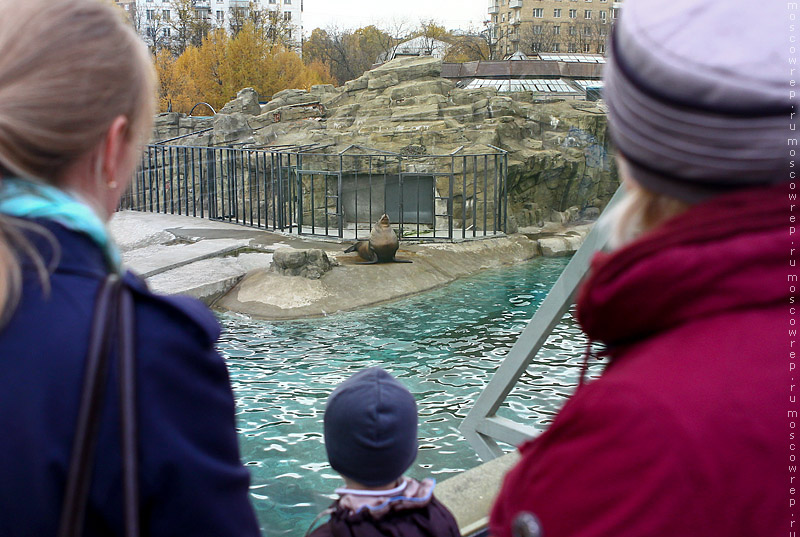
68 68
639 212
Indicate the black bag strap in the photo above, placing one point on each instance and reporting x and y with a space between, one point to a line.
113 313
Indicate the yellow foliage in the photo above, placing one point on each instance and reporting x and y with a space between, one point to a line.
215 71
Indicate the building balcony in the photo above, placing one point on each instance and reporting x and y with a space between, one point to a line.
515 4
516 22
240 3
514 38
202 4
494 9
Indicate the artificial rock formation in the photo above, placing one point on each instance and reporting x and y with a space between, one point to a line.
311 264
557 149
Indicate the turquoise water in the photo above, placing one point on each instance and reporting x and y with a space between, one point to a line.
443 345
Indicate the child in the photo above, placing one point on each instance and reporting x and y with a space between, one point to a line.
371 439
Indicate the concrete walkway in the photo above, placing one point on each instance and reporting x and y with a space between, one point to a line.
228 265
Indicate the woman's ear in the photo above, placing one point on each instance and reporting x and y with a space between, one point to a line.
116 152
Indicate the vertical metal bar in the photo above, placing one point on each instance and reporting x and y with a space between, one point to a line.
245 183
202 187
495 212
222 184
339 215
434 218
273 183
250 184
505 192
327 179
171 183
339 212
450 181
400 188
464 203
475 197
356 173
258 191
313 208
161 191
485 187
369 197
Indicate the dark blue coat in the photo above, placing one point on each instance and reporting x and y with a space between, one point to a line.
191 478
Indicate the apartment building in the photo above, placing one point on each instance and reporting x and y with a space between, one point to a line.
554 26
153 18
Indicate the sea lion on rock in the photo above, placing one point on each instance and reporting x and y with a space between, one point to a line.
381 246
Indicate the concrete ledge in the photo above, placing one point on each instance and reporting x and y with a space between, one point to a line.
471 494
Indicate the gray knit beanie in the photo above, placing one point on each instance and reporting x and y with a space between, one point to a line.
698 94
371 428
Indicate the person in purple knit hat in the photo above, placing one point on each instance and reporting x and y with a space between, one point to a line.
689 430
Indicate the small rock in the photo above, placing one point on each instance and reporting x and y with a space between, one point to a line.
310 264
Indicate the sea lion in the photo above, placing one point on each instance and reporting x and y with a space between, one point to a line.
381 246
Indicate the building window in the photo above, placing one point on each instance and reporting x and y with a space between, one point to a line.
603 1
614 13
150 14
166 32
220 1
601 48
587 30
165 14
287 15
603 15
220 16
557 13
587 14
503 18
538 13
573 30
556 30
537 29
555 47
603 31
287 1
573 13
572 48
587 48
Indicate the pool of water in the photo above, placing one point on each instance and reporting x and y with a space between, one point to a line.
443 345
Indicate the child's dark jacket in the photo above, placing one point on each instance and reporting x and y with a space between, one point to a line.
416 512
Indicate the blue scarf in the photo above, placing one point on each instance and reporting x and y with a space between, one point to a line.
24 198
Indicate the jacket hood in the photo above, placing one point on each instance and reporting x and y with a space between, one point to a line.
728 253
415 494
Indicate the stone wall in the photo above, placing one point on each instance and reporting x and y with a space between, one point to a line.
558 151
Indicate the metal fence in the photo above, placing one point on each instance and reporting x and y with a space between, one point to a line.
339 195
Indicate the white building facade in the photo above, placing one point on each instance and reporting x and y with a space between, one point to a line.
154 16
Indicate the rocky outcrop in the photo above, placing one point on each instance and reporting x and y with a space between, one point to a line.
246 102
311 264
558 150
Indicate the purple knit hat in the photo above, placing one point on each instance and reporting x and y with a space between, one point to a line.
698 94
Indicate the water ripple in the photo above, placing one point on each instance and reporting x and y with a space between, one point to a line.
443 345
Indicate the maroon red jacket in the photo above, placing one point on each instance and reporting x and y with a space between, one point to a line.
686 433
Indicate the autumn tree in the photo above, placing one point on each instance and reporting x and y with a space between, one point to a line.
188 26
274 24
469 46
348 53
223 64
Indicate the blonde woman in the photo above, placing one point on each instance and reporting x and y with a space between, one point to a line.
687 432
76 102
